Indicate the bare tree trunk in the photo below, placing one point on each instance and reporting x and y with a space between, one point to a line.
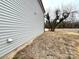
50 25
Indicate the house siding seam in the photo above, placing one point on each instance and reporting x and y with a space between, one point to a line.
20 20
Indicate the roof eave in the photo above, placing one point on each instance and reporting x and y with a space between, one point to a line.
41 5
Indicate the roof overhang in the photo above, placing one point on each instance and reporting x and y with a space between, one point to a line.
41 5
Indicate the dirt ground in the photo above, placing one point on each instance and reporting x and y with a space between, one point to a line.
52 45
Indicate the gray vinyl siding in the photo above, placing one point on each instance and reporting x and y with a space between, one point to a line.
20 20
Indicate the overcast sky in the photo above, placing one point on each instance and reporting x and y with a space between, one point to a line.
58 3
53 4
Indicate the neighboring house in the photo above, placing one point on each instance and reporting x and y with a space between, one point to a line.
20 21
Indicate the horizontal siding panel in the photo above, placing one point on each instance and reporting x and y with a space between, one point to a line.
20 20
11 4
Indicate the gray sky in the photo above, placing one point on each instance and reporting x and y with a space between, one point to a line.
54 4
57 3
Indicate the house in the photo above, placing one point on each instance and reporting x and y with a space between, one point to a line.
20 22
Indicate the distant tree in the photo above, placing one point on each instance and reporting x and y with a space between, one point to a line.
56 21
66 12
48 21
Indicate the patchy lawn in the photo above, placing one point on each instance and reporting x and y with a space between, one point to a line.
52 45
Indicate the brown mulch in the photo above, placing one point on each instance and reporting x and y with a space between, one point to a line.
52 45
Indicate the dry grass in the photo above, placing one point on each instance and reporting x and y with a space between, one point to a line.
52 45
